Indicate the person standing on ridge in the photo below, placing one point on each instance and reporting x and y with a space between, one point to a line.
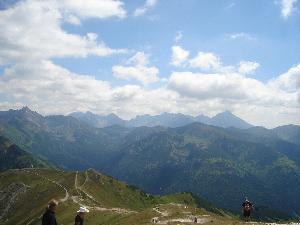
247 208
79 219
195 220
49 217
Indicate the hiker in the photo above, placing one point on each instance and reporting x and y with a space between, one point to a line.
247 208
49 216
195 220
79 219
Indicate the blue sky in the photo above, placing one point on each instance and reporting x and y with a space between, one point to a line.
205 25
153 56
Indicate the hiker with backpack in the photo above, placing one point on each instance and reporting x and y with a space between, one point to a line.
49 217
247 208
79 219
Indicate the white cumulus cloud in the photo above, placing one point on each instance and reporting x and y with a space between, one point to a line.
248 97
49 89
289 81
206 61
137 68
248 67
143 9
32 29
287 7
94 8
179 55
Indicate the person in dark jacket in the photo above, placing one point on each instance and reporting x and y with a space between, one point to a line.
247 208
195 220
49 217
79 219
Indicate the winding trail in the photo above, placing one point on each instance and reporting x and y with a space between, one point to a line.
98 207
185 219
67 195
64 199
76 199
164 214
80 189
86 179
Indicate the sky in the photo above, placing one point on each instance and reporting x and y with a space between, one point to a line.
153 56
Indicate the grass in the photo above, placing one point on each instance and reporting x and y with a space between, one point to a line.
97 190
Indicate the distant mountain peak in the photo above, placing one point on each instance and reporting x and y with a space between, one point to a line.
226 113
89 113
113 115
26 113
26 109
228 119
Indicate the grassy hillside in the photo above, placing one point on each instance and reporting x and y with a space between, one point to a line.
25 193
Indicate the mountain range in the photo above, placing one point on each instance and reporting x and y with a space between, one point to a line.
224 119
220 164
